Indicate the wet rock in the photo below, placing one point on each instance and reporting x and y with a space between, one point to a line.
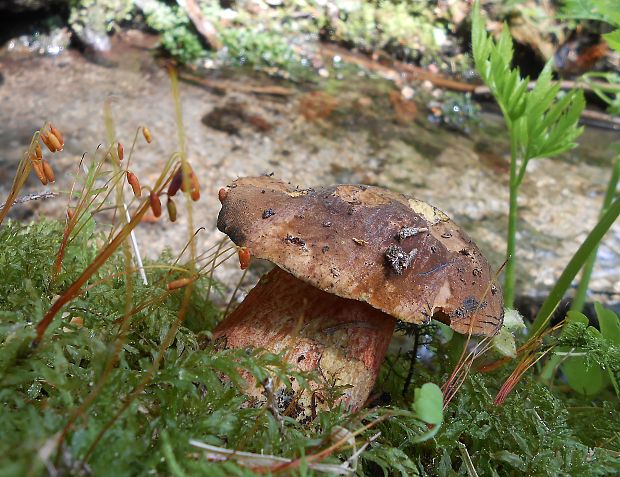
92 38
92 22
39 43
228 118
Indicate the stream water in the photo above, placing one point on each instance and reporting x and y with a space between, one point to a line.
232 132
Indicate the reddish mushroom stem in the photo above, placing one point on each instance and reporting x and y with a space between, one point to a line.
343 340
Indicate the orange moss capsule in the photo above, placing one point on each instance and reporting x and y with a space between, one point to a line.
47 143
133 181
54 142
48 171
192 181
57 134
147 135
37 166
175 183
172 210
194 186
155 203
121 151
222 194
245 257
70 213
179 283
195 194
37 150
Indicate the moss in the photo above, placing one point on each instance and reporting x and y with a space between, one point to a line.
178 37
100 17
260 49
403 28
263 40
536 432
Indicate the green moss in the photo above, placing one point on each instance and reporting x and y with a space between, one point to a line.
529 435
261 49
263 41
403 27
99 16
536 432
178 37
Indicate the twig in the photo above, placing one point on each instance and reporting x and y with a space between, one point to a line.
272 404
309 459
565 85
414 356
606 120
241 88
136 250
353 459
250 459
34 196
471 470
397 71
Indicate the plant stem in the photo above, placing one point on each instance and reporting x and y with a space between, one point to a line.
572 268
510 274
412 361
582 290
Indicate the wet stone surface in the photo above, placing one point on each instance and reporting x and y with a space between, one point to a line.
359 141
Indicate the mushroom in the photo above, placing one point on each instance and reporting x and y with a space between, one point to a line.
350 260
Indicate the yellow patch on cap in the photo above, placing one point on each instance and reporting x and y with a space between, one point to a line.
430 213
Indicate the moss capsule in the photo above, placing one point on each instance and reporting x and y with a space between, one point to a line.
245 257
155 203
147 135
48 171
172 210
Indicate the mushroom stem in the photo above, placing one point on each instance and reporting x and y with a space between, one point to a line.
343 340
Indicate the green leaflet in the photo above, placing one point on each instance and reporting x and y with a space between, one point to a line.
541 122
593 361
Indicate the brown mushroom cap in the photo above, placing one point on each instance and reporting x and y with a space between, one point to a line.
396 253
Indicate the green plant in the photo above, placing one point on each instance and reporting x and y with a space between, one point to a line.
538 432
607 90
195 393
261 49
540 125
177 34
98 17
384 25
127 377
579 299
538 329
